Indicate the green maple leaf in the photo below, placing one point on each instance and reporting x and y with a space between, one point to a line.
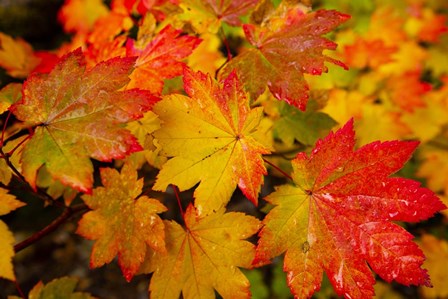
78 115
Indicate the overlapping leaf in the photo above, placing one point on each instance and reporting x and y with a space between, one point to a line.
58 288
8 203
122 222
211 137
337 218
204 257
16 56
285 49
78 115
160 59
207 15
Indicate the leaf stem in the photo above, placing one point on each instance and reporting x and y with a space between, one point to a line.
19 289
176 193
226 44
68 212
4 127
17 146
278 169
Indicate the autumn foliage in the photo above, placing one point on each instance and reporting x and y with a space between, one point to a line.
161 127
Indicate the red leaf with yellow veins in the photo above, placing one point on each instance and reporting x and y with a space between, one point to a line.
78 115
211 136
204 256
122 222
285 50
160 59
337 218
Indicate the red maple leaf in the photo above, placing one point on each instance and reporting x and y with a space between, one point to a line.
337 218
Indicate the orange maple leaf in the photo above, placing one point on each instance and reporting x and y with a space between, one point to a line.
368 53
121 221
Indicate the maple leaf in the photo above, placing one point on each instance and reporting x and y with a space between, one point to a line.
436 252
8 203
368 53
81 15
407 90
305 127
16 56
204 256
207 15
10 94
285 52
63 287
160 59
337 218
78 115
218 128
122 222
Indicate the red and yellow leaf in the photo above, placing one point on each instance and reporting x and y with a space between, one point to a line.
337 218
284 52
211 137
204 257
121 222
160 59
207 15
8 203
79 115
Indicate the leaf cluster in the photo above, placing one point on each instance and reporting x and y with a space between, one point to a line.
149 119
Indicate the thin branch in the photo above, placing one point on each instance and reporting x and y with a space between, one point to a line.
9 154
176 193
19 289
278 169
68 212
226 43
4 127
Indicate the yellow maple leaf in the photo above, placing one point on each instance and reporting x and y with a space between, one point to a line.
204 256
143 129
211 137
206 57
16 56
343 105
434 168
436 252
81 15
8 203
380 123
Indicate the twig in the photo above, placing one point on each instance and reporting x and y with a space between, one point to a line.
278 169
176 193
68 212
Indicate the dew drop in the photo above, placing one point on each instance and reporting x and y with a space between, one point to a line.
393 214
339 169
